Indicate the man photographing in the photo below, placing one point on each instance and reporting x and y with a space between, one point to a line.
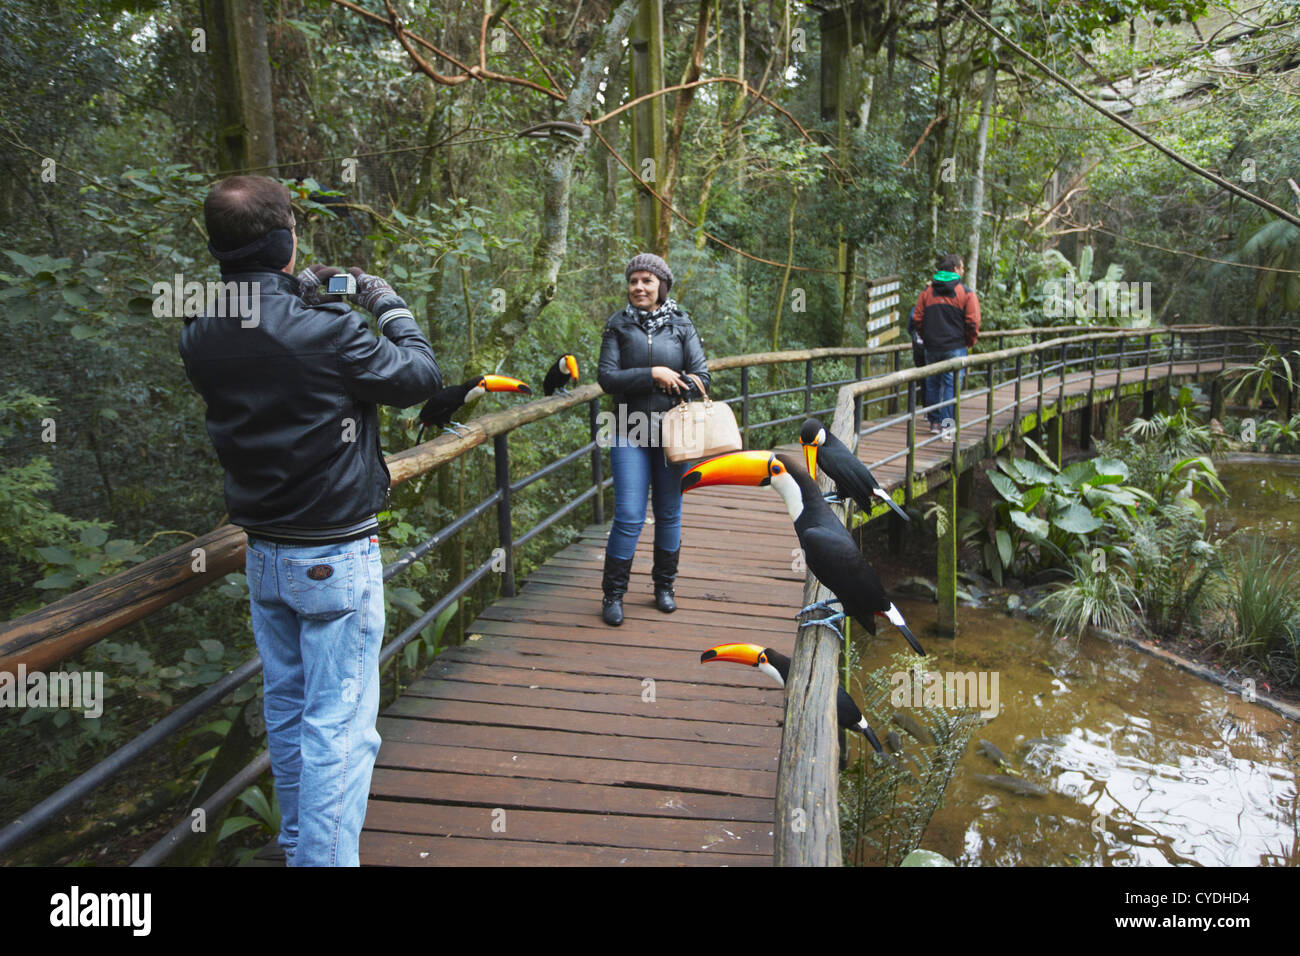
291 409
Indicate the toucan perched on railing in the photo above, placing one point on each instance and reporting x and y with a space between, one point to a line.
829 549
777 665
438 410
560 376
850 475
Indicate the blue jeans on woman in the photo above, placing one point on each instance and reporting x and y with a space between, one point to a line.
637 469
939 388
318 618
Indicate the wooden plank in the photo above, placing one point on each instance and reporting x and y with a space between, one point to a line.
631 702
616 725
400 755
400 849
652 833
530 740
509 793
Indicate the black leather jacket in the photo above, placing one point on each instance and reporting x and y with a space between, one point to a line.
291 408
628 352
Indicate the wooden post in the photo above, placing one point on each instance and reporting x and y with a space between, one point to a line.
946 570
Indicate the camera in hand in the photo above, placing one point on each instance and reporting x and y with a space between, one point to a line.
341 284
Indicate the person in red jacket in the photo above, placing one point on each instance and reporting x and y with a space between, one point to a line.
946 322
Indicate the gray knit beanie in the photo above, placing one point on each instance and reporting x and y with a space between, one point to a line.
649 262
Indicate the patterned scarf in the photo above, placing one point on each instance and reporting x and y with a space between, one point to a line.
650 321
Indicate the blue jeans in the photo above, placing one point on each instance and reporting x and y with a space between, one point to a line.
318 618
636 470
939 388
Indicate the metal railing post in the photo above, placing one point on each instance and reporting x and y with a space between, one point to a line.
857 400
988 421
744 405
597 469
1038 427
1015 423
505 530
911 442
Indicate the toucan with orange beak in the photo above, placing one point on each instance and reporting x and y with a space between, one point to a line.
777 666
438 410
560 376
850 475
829 549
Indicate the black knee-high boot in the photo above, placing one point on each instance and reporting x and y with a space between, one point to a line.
664 574
614 583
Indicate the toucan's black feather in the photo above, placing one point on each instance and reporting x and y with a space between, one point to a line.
847 712
557 376
852 478
834 559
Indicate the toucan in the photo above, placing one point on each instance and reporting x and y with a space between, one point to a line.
846 470
777 666
828 548
562 374
439 409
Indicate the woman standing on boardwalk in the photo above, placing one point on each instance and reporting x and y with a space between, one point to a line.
648 349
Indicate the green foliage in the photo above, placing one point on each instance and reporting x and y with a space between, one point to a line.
1280 436
1275 373
1264 600
887 800
1095 595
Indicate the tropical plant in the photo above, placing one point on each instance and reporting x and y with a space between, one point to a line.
1097 594
1264 599
1275 374
1280 436
1048 513
1173 567
1178 433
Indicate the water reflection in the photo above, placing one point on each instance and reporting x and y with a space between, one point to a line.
1146 764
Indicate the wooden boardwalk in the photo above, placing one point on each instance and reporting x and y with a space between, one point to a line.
541 740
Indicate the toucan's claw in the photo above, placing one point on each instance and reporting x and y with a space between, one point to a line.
454 428
827 622
832 498
820 606
563 391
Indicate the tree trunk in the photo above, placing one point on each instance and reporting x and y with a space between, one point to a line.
557 175
673 151
646 45
241 82
981 148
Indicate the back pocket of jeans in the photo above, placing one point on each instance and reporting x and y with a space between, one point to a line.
322 588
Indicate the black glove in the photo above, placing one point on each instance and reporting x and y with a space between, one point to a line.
371 291
378 298
312 279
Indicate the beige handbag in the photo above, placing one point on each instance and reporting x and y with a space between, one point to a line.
695 430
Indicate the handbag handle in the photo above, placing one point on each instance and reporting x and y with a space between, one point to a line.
699 383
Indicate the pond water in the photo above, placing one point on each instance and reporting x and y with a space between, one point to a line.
1183 771
1264 499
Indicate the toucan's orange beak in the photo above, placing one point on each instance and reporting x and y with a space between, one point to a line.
504 383
572 363
810 459
749 654
735 468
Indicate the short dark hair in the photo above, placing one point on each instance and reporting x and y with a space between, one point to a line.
951 263
240 209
